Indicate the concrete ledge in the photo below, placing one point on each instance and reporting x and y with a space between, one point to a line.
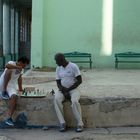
99 112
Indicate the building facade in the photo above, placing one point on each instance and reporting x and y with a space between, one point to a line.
15 29
41 28
99 27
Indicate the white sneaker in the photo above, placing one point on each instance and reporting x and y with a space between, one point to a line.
79 128
9 122
62 127
4 95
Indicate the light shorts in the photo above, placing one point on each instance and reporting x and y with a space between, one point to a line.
11 91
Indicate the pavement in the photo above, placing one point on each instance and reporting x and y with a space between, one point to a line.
116 133
97 83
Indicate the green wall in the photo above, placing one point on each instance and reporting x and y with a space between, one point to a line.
37 46
72 25
76 25
126 25
126 30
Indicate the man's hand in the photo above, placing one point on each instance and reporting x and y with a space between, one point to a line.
64 89
66 95
20 92
19 68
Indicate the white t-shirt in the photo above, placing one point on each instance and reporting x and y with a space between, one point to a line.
67 75
14 77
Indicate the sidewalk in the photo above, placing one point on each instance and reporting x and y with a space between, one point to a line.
97 83
119 133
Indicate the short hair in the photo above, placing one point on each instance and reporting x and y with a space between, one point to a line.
59 55
24 60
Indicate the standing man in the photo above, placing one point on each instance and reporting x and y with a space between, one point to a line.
68 78
8 84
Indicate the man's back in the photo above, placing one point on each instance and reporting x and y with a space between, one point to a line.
15 73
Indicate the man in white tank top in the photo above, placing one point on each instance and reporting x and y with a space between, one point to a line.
68 78
9 79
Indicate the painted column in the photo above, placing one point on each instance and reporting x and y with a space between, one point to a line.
37 34
16 32
1 28
12 32
6 27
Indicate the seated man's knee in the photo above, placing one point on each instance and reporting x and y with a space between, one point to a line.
75 101
14 97
57 99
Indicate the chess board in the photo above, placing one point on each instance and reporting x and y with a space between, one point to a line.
33 95
32 92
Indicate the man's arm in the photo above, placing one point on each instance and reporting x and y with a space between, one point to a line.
76 84
60 87
11 66
20 83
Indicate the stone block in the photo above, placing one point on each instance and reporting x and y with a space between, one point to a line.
99 112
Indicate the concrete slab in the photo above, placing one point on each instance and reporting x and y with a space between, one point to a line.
124 130
112 97
97 83
53 134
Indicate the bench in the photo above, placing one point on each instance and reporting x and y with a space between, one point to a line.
123 58
83 57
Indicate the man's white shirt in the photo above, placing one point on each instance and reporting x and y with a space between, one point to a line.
14 77
67 74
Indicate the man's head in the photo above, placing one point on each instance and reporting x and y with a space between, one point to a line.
23 61
60 59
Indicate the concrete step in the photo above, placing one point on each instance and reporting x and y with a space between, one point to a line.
96 112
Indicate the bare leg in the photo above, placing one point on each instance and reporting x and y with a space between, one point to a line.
12 105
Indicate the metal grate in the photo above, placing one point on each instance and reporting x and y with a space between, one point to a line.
22 3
